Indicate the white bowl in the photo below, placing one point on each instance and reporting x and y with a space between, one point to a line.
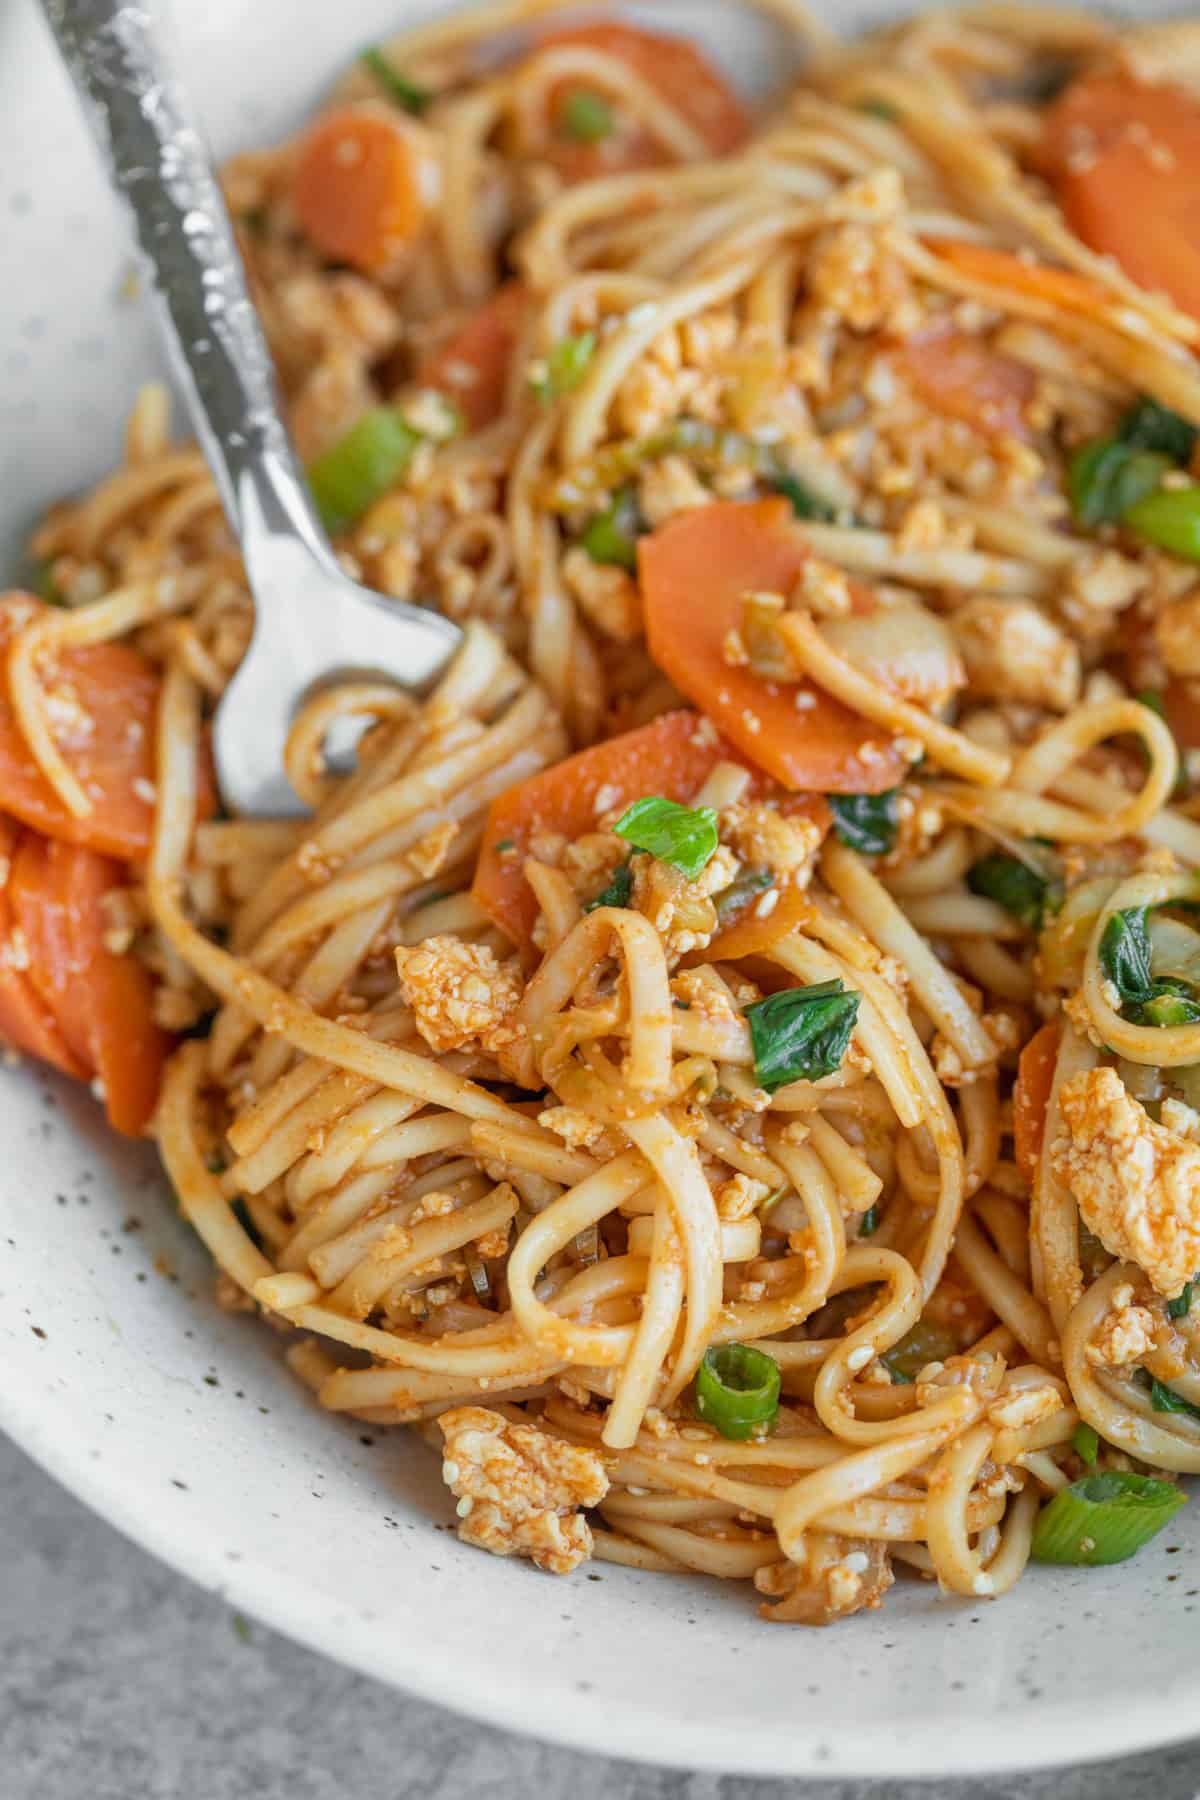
182 1426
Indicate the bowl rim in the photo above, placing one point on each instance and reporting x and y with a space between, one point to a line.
932 1746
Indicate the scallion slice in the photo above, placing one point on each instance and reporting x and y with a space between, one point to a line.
684 836
361 467
1169 518
1085 1442
565 365
408 94
611 537
801 1033
1106 479
587 117
737 1390
1103 1518
1164 1399
1181 1306
804 502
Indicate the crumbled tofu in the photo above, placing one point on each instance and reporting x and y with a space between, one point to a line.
430 853
823 589
1014 651
577 1129
838 1576
1177 634
765 838
854 274
1099 584
607 595
670 486
1125 1335
519 1490
738 1197
460 993
1137 1185
1003 1032
1025 1407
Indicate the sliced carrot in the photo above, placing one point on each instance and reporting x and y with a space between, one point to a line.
1181 703
967 380
1003 269
115 993
40 912
1124 158
1031 1097
676 69
671 756
754 936
363 185
471 368
694 573
108 696
27 1022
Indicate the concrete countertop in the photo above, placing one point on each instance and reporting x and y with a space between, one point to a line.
119 1680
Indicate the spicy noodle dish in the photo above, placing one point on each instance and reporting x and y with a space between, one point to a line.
725 1067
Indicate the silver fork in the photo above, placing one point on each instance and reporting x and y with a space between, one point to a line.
311 623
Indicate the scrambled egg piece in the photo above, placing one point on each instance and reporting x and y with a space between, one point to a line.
460 994
1137 1185
1013 651
519 1490
839 1576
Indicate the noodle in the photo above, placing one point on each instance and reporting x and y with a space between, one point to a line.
860 1057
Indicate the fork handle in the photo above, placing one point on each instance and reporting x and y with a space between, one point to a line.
161 166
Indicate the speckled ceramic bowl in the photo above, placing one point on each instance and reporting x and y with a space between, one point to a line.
183 1427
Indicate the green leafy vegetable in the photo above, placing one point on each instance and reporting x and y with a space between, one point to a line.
927 1342
1125 954
801 1033
866 822
565 365
1016 887
618 890
611 537
1085 1442
1107 478
868 1225
587 117
1181 1306
503 844
732 901
361 467
1164 1399
1169 518
805 503
1103 1519
684 836
1149 426
737 1390
408 94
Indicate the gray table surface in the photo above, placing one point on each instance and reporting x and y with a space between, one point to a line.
119 1680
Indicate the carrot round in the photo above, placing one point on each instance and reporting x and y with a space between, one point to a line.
104 700
115 993
694 573
1003 269
363 185
1031 1097
40 913
1124 158
672 756
471 368
28 1023
676 69
960 377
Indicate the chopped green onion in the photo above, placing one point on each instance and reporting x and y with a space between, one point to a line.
868 1225
805 504
46 588
1171 1005
1085 1442
1181 1306
1125 954
880 109
1013 885
927 1342
503 844
732 901
241 1626
1164 1399
1107 478
684 836
565 366
802 1033
617 893
611 537
1149 426
1170 519
1103 1519
397 87
587 117
737 1390
361 467
866 822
